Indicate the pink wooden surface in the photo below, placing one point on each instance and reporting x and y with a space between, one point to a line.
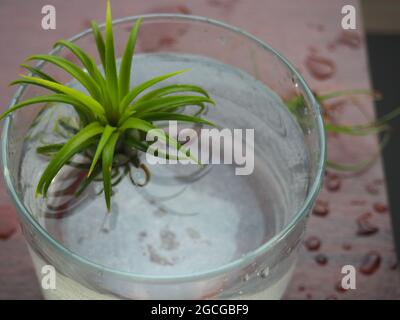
298 29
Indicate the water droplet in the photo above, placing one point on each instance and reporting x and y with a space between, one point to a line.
350 39
7 233
365 227
320 67
380 207
372 189
321 208
8 224
333 182
370 263
264 273
312 243
346 246
321 259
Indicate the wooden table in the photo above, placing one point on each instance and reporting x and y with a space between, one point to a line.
298 29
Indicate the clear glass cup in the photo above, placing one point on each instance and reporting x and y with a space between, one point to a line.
249 254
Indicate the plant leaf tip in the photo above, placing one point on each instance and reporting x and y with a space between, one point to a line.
37 194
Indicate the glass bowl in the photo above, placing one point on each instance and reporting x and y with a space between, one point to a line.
211 234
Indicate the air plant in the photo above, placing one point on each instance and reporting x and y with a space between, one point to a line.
113 117
373 127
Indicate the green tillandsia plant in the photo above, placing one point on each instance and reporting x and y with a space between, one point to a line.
380 125
113 117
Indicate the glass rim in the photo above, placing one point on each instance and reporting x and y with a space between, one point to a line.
312 193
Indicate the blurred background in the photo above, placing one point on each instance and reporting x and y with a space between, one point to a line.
382 27
349 206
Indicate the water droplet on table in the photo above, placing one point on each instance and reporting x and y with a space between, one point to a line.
320 67
312 243
370 263
321 259
365 227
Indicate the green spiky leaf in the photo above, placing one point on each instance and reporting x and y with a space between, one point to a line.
94 106
110 67
126 62
81 108
86 60
78 143
38 72
108 131
76 72
175 88
49 148
101 47
165 116
113 117
145 85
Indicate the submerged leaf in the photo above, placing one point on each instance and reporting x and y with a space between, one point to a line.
139 124
107 159
49 149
